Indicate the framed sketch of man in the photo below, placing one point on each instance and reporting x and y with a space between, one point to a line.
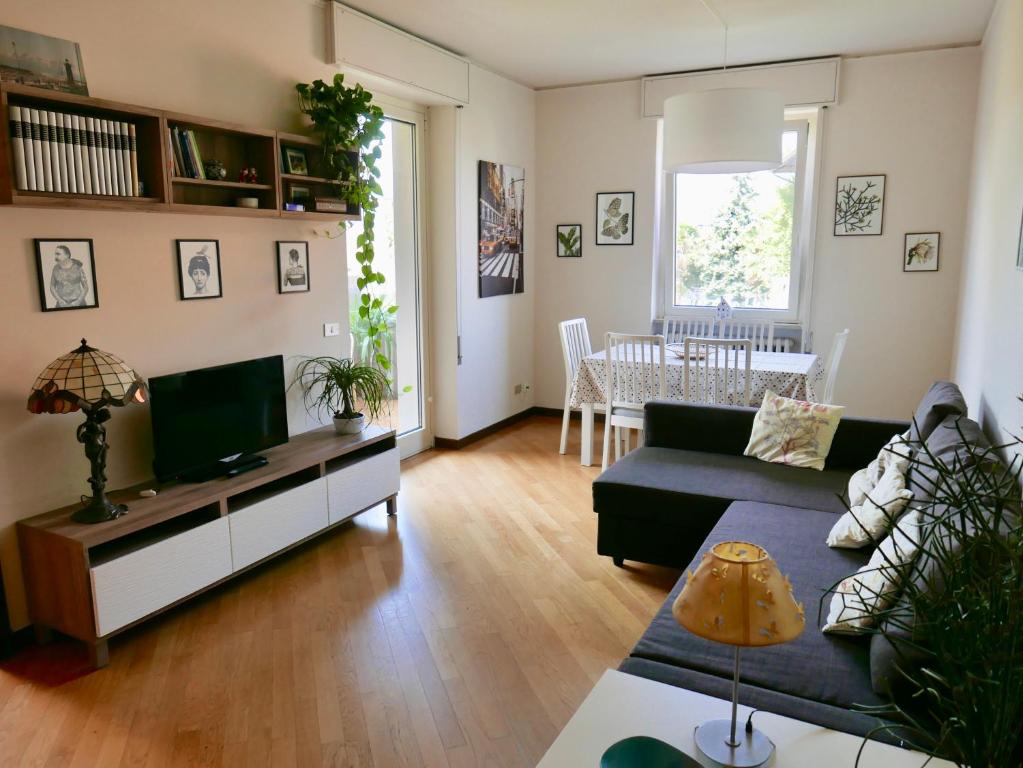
292 266
67 274
199 269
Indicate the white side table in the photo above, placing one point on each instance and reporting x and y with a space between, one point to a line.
622 705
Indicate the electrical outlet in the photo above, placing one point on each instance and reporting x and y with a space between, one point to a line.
332 329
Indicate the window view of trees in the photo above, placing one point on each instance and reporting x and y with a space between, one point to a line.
733 236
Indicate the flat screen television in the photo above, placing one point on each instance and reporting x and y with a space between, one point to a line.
210 421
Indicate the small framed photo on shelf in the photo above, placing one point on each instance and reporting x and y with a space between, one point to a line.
292 266
615 217
570 240
295 162
67 274
298 193
920 252
199 274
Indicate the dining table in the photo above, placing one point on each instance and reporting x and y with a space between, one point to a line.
790 374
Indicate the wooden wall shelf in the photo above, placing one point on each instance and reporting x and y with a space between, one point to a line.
237 146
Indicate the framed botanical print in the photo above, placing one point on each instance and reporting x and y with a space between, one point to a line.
199 274
615 216
67 274
292 266
570 240
920 252
859 205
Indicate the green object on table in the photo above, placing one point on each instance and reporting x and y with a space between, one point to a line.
645 752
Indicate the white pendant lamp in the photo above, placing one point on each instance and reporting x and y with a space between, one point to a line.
725 130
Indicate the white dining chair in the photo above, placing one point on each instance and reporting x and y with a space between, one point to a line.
677 328
759 332
834 360
635 373
575 345
717 371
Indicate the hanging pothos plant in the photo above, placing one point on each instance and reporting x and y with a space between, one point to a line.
351 128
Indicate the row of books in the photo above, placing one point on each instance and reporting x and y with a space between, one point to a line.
59 152
184 150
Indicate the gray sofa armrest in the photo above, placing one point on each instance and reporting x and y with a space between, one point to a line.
726 429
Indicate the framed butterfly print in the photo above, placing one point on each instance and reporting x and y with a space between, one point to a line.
615 217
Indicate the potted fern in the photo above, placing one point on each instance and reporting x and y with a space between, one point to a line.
339 386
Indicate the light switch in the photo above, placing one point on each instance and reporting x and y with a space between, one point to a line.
332 329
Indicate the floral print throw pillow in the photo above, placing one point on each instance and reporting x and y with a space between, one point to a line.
793 432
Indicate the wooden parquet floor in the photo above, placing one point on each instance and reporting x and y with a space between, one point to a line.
463 633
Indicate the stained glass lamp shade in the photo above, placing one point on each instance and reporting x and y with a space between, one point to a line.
738 596
89 380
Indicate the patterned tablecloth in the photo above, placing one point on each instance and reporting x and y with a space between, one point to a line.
784 373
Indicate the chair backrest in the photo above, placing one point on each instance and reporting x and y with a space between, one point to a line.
575 345
760 332
717 371
677 328
635 369
834 359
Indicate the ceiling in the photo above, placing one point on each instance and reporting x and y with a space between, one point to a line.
545 43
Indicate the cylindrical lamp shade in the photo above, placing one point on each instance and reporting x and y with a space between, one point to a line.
738 596
727 130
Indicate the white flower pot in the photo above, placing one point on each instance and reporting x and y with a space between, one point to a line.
349 426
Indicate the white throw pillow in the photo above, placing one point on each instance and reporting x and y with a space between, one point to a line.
869 521
896 451
874 587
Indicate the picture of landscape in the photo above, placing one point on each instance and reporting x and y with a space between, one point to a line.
41 61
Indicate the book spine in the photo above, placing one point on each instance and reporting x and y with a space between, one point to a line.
101 160
115 143
44 150
90 146
108 157
172 157
57 161
133 161
18 150
186 155
81 155
37 150
200 172
34 182
122 135
74 184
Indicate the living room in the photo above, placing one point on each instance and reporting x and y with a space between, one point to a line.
435 560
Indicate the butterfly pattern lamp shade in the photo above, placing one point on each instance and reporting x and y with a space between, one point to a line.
737 596
89 380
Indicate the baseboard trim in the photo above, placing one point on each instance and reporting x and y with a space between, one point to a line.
539 410
450 444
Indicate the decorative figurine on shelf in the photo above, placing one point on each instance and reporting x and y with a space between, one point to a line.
243 176
215 170
253 176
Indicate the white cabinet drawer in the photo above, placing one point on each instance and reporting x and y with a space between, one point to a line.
140 582
353 488
272 524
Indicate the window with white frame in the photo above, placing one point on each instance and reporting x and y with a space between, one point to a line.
738 236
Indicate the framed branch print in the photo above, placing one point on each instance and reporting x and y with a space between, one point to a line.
859 205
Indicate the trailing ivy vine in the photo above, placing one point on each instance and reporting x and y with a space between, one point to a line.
351 128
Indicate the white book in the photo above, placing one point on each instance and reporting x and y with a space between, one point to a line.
69 153
101 152
136 186
121 145
44 151
58 163
90 145
37 148
18 150
35 182
108 158
81 156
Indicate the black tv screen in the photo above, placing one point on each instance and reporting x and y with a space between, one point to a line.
201 417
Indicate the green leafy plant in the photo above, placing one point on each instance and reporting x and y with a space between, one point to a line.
351 128
957 629
365 346
339 385
569 241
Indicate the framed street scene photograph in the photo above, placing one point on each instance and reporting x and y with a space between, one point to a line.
920 252
67 274
28 58
292 266
199 269
501 208
859 205
570 240
295 162
615 217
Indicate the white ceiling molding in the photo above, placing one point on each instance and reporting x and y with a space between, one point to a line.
408 65
801 83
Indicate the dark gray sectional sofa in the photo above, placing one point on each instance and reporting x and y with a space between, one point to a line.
690 487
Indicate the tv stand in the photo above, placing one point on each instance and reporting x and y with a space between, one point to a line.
95 581
239 466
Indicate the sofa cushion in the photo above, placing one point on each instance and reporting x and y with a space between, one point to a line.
664 483
793 432
830 669
954 439
942 399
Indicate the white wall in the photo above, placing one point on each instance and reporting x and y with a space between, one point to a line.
497 332
907 115
989 350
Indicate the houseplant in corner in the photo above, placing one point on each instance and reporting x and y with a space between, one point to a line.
339 385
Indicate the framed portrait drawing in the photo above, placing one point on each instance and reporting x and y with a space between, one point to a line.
920 252
859 205
570 240
67 274
292 266
295 161
199 274
615 217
